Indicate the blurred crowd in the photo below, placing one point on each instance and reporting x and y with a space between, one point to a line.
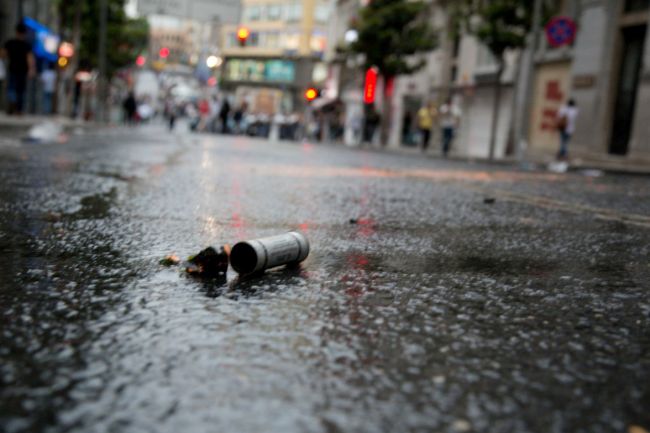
220 113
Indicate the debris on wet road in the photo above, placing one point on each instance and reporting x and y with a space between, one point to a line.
257 255
209 262
427 311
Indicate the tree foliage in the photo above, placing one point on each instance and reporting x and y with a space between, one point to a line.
126 37
391 33
500 25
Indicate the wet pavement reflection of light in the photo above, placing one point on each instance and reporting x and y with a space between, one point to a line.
420 308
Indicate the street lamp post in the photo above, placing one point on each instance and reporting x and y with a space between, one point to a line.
101 51
522 121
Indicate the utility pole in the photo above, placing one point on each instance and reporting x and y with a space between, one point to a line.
102 106
523 113
71 70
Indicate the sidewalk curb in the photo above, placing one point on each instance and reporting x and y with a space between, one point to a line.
18 127
523 165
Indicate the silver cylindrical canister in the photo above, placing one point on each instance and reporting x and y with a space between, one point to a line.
252 256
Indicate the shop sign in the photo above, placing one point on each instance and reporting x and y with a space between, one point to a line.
584 81
265 71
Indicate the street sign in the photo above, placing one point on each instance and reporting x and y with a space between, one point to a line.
560 31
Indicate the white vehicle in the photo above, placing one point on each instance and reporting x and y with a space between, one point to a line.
146 84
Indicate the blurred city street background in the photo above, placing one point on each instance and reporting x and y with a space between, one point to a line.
473 178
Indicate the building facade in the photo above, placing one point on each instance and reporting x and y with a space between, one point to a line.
226 11
282 56
607 72
181 41
187 31
11 11
460 67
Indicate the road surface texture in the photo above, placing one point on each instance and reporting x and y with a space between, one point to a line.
423 307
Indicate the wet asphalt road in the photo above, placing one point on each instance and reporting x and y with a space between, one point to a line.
432 312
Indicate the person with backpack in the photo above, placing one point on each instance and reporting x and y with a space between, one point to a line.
566 125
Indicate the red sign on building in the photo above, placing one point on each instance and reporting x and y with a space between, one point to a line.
553 96
370 87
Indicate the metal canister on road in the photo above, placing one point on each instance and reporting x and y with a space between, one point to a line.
256 255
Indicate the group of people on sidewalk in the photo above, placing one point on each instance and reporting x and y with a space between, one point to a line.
446 118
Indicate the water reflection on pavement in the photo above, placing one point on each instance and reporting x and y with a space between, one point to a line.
421 308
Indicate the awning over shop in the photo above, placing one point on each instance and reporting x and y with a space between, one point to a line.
319 103
46 42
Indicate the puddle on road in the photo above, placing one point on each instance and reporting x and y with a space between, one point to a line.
96 206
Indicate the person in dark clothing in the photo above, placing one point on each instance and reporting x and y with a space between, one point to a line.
173 113
21 66
373 119
129 108
238 117
76 98
406 127
225 110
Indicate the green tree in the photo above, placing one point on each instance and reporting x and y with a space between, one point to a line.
126 37
391 34
500 25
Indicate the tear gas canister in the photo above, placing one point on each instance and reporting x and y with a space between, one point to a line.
252 256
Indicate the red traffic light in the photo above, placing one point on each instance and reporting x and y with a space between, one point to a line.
164 52
370 86
242 35
311 94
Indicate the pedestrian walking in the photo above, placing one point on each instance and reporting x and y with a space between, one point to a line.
238 117
566 125
450 115
21 65
372 120
192 113
354 120
204 115
407 120
172 116
425 124
170 112
48 81
130 107
213 117
223 114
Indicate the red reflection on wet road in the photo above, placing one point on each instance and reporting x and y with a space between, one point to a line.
237 222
